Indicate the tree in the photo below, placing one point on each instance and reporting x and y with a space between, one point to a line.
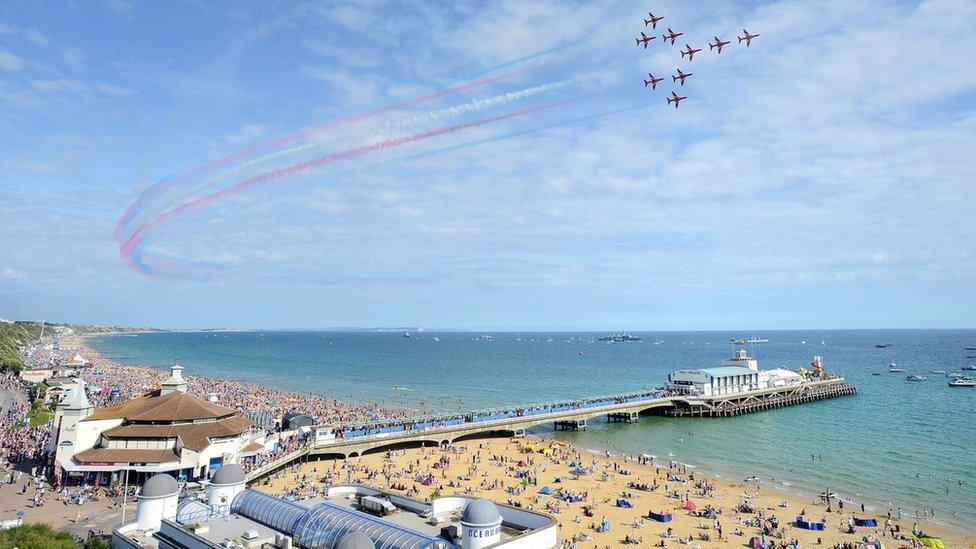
37 535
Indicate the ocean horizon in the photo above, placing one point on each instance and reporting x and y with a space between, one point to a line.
898 441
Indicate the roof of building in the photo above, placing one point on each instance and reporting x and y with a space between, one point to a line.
159 485
228 474
125 455
324 524
480 511
355 540
152 407
728 371
195 436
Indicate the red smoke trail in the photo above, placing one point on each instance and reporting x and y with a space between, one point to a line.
274 175
156 190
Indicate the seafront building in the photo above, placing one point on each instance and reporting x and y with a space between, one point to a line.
164 431
738 374
230 515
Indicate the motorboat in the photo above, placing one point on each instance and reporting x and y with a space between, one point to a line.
971 348
939 372
406 334
969 367
915 377
953 375
962 382
881 345
757 339
894 369
876 373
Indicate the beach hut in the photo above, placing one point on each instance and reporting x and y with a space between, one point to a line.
547 491
659 517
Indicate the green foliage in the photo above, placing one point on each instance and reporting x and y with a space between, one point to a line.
39 414
14 337
37 535
97 543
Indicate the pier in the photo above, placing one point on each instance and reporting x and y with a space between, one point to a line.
352 440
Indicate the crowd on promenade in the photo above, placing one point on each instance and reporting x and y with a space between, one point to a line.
19 442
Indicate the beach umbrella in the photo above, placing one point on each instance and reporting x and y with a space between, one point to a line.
546 490
690 506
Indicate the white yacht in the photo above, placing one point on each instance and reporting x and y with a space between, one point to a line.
894 369
963 382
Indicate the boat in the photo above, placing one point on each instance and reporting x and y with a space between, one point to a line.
620 337
881 345
971 348
876 373
894 369
757 339
739 341
970 367
659 342
915 377
962 382
406 334
436 338
938 372
953 375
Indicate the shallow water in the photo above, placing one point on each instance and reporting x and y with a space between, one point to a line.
875 445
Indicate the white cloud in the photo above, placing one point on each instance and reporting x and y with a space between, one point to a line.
9 61
120 7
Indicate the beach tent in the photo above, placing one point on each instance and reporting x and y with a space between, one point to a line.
865 522
546 491
660 517
690 506
930 541
803 524
624 503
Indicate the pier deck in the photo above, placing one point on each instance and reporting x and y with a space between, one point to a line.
356 439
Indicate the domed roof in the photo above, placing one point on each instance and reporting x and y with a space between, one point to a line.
159 485
355 540
229 473
190 510
480 511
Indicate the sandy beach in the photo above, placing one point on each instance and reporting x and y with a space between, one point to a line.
516 471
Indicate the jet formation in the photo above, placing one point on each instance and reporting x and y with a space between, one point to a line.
689 51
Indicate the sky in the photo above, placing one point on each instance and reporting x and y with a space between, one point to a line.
489 166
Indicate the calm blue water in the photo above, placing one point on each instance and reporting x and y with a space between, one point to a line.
873 444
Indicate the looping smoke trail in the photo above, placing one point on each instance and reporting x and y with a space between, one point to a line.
130 245
155 190
381 134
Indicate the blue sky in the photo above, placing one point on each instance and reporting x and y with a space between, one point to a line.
822 177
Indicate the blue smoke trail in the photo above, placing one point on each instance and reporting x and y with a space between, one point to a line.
478 142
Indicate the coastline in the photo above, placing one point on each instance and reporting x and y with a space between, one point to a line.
721 475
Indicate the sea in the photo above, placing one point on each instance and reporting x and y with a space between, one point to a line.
910 444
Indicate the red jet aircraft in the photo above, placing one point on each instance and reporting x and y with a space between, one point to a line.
675 98
652 21
748 37
718 44
671 35
652 82
690 52
680 76
645 39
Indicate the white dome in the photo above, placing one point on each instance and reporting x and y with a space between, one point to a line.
159 485
355 540
480 512
229 474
